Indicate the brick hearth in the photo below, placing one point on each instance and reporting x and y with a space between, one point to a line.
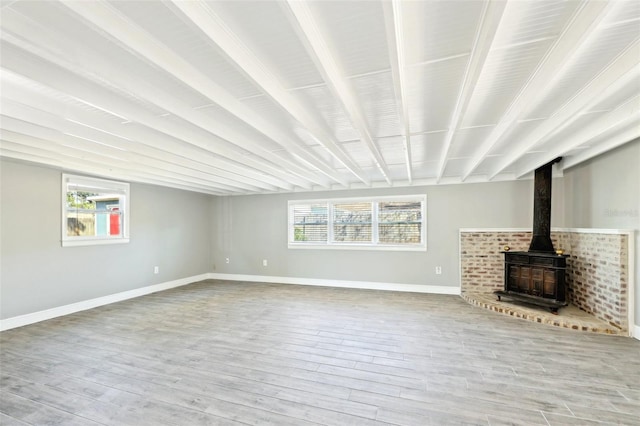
568 317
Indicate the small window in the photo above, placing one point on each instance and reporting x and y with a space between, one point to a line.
94 211
389 223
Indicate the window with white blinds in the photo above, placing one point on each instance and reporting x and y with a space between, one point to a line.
353 222
310 222
385 223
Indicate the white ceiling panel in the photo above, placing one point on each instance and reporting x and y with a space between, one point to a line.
358 151
17 87
623 11
504 74
571 129
467 140
216 114
488 165
239 97
426 148
432 93
425 170
510 138
398 173
440 29
268 110
85 50
163 22
527 158
618 97
325 155
331 111
455 167
392 150
375 92
602 48
528 29
530 20
264 28
362 24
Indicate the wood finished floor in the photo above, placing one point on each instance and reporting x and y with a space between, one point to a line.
227 353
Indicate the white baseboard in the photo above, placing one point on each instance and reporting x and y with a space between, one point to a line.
636 332
59 311
369 285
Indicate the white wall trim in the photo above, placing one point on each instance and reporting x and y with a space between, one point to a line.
495 230
368 285
595 231
578 230
21 320
634 330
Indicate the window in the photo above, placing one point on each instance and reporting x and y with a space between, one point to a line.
352 222
385 223
94 211
310 222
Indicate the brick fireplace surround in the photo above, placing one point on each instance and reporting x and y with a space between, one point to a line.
597 276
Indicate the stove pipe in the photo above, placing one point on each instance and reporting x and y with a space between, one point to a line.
541 240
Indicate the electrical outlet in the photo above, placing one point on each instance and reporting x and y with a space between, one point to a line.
264 262
438 270
226 260
156 269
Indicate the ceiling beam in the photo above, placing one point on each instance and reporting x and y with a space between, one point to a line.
44 158
621 138
30 147
490 19
623 71
50 75
621 121
550 69
312 38
88 63
148 141
107 19
396 44
205 19
70 134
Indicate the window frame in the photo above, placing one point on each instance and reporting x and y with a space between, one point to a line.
111 187
331 244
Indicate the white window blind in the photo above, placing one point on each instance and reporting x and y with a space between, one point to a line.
399 222
310 222
352 222
386 223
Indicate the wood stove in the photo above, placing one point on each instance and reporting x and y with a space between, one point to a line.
537 276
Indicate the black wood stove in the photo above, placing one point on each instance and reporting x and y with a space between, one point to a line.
537 276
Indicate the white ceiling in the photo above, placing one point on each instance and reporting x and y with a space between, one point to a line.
235 97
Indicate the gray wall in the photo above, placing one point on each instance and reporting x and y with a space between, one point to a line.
255 228
188 234
169 228
605 193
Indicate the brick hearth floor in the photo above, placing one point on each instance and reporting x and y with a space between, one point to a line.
568 317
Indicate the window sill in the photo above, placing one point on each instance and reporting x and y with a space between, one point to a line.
94 242
356 247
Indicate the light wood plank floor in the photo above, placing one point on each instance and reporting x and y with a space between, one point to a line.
223 353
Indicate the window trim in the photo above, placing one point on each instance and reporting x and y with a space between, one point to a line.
336 245
116 187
